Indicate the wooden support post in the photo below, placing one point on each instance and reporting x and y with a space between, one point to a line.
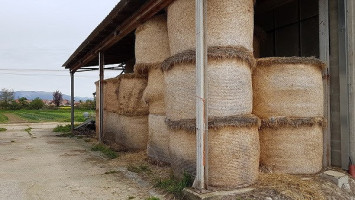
101 91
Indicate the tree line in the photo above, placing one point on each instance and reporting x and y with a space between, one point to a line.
8 102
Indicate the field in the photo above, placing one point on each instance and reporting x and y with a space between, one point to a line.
60 115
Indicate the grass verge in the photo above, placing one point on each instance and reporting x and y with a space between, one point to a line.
3 118
152 198
174 185
138 169
3 129
107 151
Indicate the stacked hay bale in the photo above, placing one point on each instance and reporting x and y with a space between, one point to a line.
233 135
132 124
288 96
152 48
110 110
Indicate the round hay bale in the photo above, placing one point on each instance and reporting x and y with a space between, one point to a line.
132 132
229 23
182 147
288 87
152 42
158 142
130 92
293 146
229 83
110 95
155 91
233 150
110 127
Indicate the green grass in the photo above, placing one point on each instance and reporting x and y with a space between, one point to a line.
62 129
111 172
138 169
60 115
152 198
28 130
175 186
3 118
105 150
3 129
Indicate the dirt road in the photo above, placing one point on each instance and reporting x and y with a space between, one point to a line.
40 165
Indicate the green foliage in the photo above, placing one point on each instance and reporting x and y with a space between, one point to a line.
14 105
28 130
111 172
62 129
6 97
57 97
175 186
152 198
3 129
87 105
138 169
59 115
23 102
36 104
105 150
3 118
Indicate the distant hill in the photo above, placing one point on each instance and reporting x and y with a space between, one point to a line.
30 95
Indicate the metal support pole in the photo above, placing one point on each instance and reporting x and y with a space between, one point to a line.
72 100
201 180
101 91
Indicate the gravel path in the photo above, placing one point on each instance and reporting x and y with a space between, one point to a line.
42 166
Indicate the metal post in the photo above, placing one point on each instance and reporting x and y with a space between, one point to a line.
72 100
201 181
343 82
101 89
324 56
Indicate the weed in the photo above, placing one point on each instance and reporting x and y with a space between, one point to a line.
12 141
87 140
3 129
131 197
28 130
111 172
152 198
175 186
62 129
105 150
138 169
80 137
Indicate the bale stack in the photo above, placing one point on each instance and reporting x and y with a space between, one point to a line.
132 123
152 48
288 96
110 110
233 135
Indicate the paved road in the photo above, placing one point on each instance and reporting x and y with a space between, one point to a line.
43 166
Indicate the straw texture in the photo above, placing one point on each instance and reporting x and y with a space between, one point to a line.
158 143
233 156
155 91
110 95
288 87
130 92
132 132
287 149
152 43
182 147
230 89
110 127
189 125
233 152
230 23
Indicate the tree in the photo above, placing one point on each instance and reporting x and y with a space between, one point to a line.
57 97
6 96
23 102
37 104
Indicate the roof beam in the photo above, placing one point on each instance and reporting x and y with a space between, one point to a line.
148 10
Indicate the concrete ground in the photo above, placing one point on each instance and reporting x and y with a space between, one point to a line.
40 165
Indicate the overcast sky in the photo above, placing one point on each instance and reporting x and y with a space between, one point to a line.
42 34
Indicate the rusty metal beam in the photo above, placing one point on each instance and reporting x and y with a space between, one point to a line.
148 10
